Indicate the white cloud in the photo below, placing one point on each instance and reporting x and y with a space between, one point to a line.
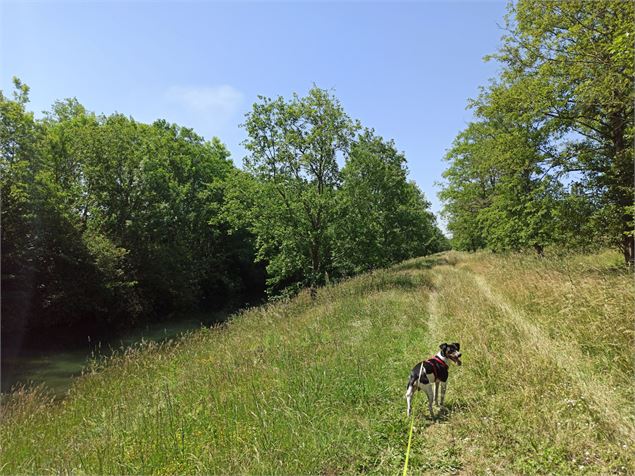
217 104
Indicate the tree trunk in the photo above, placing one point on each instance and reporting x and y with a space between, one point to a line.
628 248
315 267
623 161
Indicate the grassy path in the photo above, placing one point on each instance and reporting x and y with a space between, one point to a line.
525 402
570 360
317 387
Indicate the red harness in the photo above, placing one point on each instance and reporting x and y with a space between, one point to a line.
434 367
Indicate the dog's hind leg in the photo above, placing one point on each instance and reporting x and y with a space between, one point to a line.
429 393
409 393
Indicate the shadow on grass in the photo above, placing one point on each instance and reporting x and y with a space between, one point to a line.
422 264
616 270
401 281
386 280
423 419
450 409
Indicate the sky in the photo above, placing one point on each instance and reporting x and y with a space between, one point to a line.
405 69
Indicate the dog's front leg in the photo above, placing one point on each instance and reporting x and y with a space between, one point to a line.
443 387
436 393
428 389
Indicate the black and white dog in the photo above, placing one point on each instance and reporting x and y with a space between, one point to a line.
434 370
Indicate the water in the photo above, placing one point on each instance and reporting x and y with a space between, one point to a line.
57 368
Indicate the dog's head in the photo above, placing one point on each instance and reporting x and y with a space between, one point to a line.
451 351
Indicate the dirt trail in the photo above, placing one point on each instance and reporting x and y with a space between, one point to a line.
433 311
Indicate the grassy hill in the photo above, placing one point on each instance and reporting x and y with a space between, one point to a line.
318 387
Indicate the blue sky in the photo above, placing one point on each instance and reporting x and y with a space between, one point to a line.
405 69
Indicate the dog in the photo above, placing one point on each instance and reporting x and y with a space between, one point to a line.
433 370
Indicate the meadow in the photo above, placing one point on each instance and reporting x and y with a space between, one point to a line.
317 386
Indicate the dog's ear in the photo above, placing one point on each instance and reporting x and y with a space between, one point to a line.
457 345
443 346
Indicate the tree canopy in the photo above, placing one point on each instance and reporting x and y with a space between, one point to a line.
313 219
549 159
107 221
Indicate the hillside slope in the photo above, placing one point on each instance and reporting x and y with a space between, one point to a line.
318 387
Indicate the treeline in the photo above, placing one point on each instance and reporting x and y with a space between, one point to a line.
107 221
549 159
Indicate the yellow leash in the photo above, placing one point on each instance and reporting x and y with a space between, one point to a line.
412 424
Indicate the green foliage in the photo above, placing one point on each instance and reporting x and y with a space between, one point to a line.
107 221
555 130
382 218
293 149
311 220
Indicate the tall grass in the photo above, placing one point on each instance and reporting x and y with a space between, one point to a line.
308 387
299 387
550 353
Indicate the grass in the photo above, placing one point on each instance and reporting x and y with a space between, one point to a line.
317 387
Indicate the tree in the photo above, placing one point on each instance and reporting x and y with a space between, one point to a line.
293 151
571 65
107 221
567 84
468 188
44 255
18 164
382 218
